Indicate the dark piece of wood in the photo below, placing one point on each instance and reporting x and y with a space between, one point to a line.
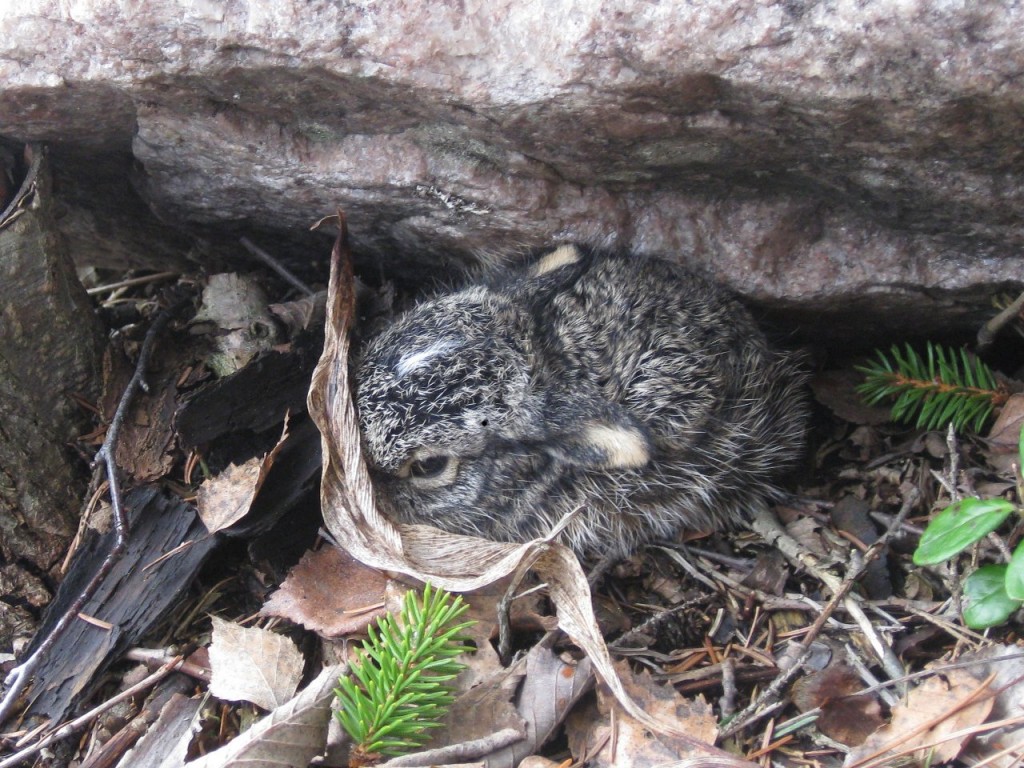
135 595
255 398
50 347
293 479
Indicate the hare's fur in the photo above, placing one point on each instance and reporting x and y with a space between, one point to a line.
620 386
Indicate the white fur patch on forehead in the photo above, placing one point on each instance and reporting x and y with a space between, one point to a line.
560 257
415 360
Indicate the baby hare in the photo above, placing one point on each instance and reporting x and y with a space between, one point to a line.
622 388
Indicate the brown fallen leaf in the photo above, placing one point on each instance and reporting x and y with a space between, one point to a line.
1005 433
226 498
591 737
807 531
847 715
254 665
550 690
769 573
482 709
940 706
330 593
836 390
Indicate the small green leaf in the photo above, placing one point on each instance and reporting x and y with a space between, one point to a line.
958 526
1015 574
987 602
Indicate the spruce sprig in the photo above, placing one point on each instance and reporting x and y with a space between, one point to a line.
403 672
944 385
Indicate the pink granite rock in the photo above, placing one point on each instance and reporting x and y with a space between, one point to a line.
839 159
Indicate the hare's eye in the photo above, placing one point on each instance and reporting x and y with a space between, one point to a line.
430 470
428 467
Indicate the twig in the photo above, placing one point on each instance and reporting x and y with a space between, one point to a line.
109 754
868 677
954 461
143 280
461 752
17 679
504 609
155 657
961 633
987 332
769 601
728 700
74 725
277 266
767 526
1017 750
754 711
883 652
34 154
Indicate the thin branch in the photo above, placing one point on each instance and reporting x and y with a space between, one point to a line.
18 678
467 750
987 333
760 707
143 280
728 700
277 266
77 723
883 651
34 155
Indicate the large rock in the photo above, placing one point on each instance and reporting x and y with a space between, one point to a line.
858 163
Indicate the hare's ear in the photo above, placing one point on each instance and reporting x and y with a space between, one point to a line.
560 257
604 438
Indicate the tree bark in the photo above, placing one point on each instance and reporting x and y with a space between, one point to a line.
51 345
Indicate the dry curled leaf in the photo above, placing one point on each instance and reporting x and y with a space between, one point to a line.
302 313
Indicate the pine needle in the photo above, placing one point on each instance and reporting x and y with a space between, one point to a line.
402 676
941 387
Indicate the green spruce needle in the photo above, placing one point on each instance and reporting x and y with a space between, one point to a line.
942 386
401 687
